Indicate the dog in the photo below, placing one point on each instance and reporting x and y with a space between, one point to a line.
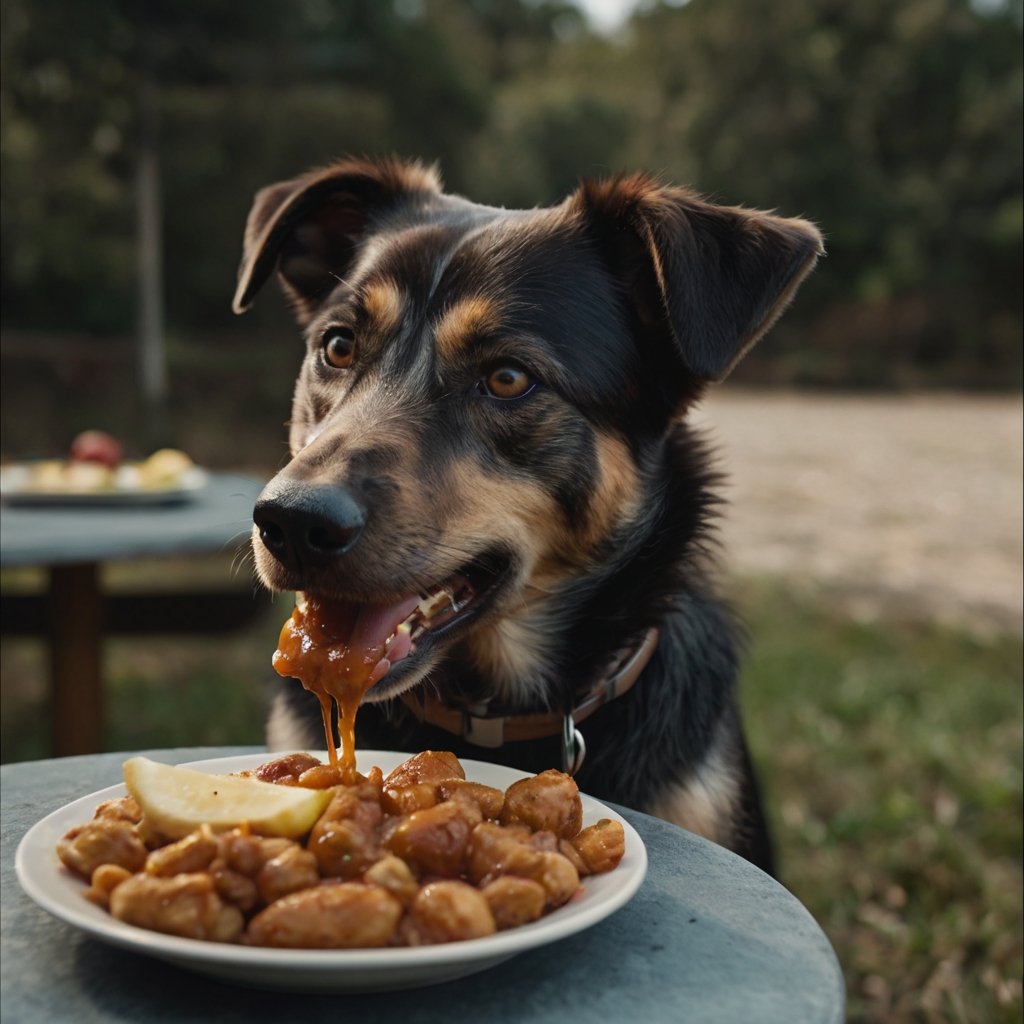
491 414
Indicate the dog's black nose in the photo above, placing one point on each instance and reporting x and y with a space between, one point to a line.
304 525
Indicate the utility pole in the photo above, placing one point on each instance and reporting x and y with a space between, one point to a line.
151 355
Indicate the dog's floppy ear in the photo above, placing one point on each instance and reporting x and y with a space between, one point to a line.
307 229
717 276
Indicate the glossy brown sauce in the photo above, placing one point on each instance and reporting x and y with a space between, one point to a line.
312 648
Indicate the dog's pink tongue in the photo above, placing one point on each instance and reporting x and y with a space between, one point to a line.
366 629
375 623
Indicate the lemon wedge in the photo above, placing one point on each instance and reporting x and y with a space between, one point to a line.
176 801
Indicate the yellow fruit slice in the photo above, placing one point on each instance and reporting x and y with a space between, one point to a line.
176 801
164 468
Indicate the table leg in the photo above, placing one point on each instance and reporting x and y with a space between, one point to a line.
76 643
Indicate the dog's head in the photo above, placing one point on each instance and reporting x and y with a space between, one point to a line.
483 389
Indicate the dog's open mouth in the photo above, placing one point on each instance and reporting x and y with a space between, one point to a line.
339 649
378 635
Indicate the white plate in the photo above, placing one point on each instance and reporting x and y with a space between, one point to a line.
57 890
16 489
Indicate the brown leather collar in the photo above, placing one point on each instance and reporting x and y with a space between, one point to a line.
473 723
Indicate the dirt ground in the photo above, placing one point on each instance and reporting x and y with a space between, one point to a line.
898 504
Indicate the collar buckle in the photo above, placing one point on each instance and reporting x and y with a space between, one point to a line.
481 730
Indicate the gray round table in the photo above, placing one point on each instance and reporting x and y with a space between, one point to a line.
708 938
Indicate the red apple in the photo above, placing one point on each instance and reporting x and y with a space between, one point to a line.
96 446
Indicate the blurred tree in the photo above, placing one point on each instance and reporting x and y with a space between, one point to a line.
896 126
246 93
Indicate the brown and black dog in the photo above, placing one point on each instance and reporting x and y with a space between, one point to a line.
491 414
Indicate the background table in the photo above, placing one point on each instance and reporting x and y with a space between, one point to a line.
71 542
708 938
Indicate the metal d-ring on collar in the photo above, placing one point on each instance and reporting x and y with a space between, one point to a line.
574 746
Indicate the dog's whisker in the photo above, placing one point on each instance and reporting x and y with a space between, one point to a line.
242 561
243 555
239 539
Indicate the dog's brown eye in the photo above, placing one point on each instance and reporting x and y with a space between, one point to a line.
507 382
339 347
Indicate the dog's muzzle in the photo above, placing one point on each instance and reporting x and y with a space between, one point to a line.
305 525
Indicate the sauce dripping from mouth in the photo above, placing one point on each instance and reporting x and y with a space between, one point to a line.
314 648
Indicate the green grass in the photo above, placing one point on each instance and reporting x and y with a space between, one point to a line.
891 759
890 755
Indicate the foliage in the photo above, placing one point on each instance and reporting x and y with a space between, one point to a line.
896 126
891 756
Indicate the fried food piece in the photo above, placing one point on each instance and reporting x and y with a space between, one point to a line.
345 840
233 887
514 901
428 766
571 854
449 911
291 870
286 769
325 776
185 905
549 801
245 853
193 853
107 840
105 879
392 873
342 915
489 799
399 800
343 850
123 808
601 846
435 840
548 842
560 879
495 851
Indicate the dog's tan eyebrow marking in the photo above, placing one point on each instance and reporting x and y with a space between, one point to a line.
384 304
463 320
